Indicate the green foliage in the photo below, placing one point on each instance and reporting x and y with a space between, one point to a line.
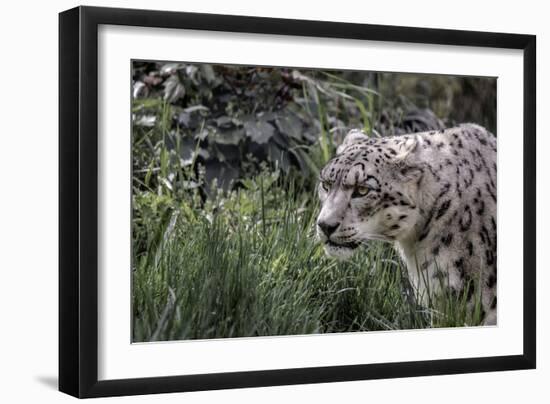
247 264
225 164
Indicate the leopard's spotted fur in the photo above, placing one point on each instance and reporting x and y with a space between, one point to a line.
432 194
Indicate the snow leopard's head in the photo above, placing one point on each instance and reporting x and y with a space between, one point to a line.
368 191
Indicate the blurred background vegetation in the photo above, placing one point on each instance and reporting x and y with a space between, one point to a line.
225 163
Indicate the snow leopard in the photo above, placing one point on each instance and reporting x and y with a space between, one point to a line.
431 194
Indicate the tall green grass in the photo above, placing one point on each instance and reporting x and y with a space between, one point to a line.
248 264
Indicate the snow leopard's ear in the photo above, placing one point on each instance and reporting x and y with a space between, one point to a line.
354 136
409 167
407 148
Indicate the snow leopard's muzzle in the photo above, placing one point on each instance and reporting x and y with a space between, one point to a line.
338 240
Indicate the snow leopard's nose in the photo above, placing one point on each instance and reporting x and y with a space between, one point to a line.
327 228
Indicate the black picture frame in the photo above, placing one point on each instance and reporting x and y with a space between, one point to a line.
78 201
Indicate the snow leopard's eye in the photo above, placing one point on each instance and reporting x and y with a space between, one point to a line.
359 191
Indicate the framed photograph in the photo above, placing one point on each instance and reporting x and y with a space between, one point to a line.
252 202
